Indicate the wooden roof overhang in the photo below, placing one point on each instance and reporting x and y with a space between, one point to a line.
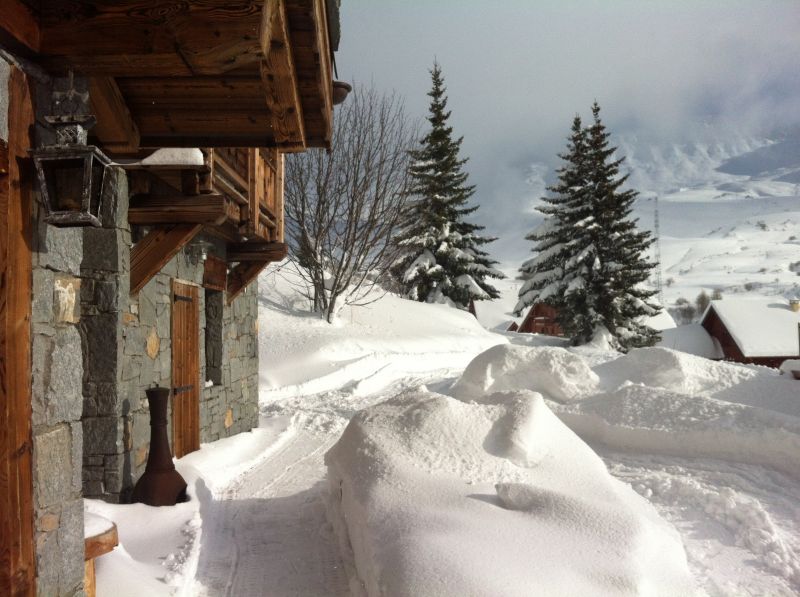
188 73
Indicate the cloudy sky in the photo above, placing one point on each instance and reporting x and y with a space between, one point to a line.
518 70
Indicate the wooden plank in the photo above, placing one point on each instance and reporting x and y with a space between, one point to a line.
100 544
190 182
17 563
279 206
312 59
3 157
215 273
115 128
229 171
185 368
198 209
115 37
19 30
256 251
241 275
280 77
153 252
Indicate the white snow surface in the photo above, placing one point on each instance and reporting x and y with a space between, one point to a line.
442 497
476 471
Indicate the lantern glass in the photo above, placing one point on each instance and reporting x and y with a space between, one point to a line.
64 181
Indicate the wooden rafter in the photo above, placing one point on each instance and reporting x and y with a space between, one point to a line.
197 209
280 77
115 128
256 251
153 252
19 30
100 37
241 275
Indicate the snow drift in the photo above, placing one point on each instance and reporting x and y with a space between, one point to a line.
428 493
556 372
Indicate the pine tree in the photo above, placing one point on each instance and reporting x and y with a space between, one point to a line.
441 255
590 261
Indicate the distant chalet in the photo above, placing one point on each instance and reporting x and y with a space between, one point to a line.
541 319
761 331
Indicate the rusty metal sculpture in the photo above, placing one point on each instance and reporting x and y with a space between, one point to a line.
161 484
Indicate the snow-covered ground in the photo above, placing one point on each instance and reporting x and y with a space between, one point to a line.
478 463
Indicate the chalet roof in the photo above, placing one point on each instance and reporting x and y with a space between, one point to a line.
195 73
761 327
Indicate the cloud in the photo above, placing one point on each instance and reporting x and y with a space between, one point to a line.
518 70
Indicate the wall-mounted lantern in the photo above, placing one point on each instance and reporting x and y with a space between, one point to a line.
71 173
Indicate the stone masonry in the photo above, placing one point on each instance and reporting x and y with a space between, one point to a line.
127 347
57 372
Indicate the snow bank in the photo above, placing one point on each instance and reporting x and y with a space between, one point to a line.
653 400
556 372
159 548
656 421
366 349
693 339
673 370
434 496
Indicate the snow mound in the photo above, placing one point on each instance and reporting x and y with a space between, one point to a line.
656 421
428 493
674 371
556 372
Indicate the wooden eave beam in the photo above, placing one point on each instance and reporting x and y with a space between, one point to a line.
241 275
198 209
115 128
19 29
150 37
152 253
279 75
256 251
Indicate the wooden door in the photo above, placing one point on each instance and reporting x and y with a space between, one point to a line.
17 563
185 368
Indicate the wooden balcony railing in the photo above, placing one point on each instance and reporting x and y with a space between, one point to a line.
251 182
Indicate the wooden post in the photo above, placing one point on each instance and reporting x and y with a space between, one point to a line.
17 562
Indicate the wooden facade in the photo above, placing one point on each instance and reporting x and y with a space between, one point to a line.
541 319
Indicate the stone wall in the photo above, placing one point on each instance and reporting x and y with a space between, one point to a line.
128 342
57 372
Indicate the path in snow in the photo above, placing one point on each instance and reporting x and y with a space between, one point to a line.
266 533
269 534
740 523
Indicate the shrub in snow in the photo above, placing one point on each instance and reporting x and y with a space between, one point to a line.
432 496
556 372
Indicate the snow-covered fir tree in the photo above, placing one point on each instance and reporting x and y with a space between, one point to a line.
589 261
441 255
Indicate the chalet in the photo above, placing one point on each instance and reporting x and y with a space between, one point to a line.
761 331
141 164
541 319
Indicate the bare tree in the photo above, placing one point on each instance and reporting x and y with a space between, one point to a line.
342 207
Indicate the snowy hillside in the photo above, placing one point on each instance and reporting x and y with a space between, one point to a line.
729 218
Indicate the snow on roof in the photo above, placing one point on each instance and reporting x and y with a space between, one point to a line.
762 327
167 156
660 321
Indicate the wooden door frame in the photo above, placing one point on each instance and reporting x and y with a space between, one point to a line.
17 555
